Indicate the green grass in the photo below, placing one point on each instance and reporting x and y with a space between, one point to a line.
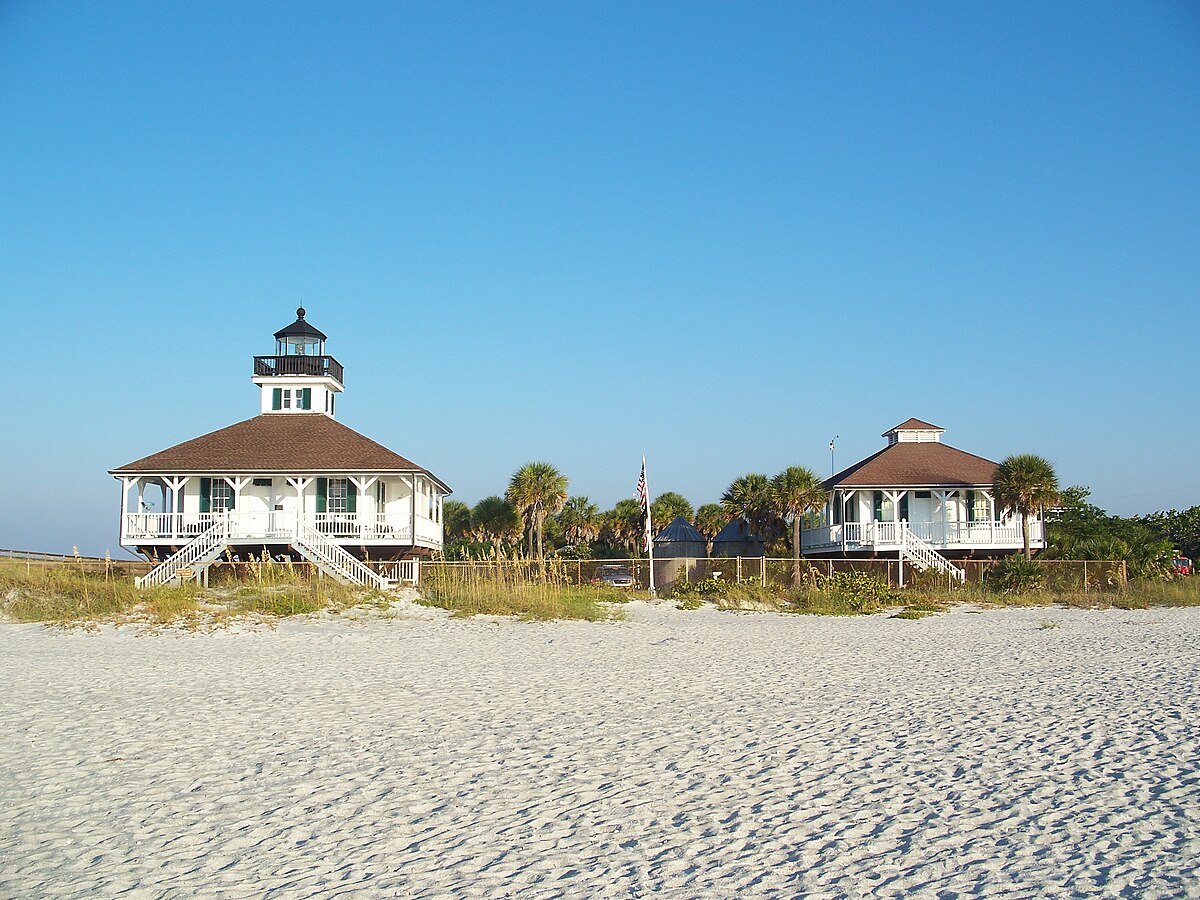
474 591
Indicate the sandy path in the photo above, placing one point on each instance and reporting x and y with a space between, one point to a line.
696 754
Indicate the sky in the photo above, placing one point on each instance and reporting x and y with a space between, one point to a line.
719 234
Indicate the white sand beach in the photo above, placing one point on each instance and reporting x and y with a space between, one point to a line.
676 754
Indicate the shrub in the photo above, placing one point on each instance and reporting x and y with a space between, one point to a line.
860 589
705 587
1016 575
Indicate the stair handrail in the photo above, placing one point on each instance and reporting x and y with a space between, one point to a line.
922 552
189 553
336 557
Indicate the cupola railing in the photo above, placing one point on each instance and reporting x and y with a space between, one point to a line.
299 365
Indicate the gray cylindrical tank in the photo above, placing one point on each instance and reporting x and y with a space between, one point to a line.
736 539
680 539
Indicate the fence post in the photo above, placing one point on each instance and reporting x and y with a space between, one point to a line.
1085 578
739 570
762 572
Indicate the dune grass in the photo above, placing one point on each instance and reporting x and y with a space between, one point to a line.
65 595
502 591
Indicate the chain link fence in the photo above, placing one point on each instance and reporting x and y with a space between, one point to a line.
1061 575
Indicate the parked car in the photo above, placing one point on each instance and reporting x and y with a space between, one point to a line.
615 576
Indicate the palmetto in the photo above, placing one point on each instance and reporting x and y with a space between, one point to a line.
750 498
1024 484
796 492
579 521
537 490
495 520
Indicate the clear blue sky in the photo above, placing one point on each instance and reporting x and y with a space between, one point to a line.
718 234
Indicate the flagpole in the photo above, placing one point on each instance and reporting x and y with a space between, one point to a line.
649 531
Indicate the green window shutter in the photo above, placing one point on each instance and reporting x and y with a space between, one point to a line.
277 398
904 507
322 493
306 398
232 498
351 496
970 506
879 506
205 494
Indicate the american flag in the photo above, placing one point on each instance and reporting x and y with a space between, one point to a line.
643 497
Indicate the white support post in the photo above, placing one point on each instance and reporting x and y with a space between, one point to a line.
413 482
362 485
174 484
126 484
945 516
299 484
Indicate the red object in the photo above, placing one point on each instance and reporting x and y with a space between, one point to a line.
1181 565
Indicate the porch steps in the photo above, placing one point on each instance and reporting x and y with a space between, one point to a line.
192 557
923 555
334 561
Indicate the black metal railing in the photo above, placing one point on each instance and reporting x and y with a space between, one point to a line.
299 365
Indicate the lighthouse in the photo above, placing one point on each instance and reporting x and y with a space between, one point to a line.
291 482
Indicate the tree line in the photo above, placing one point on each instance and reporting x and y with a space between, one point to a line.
538 517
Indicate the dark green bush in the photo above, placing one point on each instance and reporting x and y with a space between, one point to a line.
1016 575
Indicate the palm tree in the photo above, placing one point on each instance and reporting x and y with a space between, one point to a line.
578 520
750 498
623 524
796 492
709 520
457 518
537 490
494 519
1024 484
667 506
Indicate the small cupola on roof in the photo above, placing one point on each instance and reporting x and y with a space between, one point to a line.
300 377
914 431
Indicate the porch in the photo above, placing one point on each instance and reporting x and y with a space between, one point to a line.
944 536
270 527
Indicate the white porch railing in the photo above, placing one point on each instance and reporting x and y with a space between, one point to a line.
280 526
858 535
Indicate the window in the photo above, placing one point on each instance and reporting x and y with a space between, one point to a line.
339 492
221 496
977 507
262 482
924 495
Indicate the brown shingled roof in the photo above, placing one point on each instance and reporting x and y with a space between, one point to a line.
300 443
908 464
914 425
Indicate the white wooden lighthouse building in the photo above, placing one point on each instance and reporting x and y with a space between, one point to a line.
292 482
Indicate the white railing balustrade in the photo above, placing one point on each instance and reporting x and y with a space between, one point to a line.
855 535
260 525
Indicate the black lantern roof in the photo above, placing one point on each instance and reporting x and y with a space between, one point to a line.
299 328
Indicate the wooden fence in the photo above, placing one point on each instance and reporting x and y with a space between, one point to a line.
92 564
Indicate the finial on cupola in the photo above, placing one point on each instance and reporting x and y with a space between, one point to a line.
300 313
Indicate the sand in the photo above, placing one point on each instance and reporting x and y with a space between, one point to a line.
677 754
